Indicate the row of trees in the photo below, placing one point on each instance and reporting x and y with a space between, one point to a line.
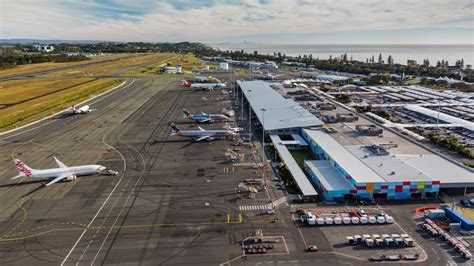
341 63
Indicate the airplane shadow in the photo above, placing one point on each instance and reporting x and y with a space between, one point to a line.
22 183
32 191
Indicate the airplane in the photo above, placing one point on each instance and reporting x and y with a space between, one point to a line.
201 134
269 76
63 173
84 109
205 118
203 86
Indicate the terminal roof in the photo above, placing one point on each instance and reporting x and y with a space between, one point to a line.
280 112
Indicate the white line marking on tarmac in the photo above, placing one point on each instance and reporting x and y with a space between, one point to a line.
106 200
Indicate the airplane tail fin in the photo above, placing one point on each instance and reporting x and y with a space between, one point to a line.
174 129
186 114
22 167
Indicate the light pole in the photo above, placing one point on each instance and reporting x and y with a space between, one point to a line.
242 106
263 143
437 119
250 115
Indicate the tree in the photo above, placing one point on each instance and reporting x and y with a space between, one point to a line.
255 52
330 58
461 65
390 60
446 64
438 64
351 58
344 57
372 59
380 59
426 62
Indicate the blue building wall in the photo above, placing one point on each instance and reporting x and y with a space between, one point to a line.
393 190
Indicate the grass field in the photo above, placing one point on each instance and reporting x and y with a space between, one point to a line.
109 67
49 65
15 91
188 61
42 106
22 101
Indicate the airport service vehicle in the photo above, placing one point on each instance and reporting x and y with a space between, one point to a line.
202 134
205 118
411 256
465 203
203 86
377 258
83 110
63 173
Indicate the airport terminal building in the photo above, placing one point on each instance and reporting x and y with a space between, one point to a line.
368 172
342 172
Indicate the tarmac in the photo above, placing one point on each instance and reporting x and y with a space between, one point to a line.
172 203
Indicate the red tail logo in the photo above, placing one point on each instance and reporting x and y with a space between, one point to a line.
22 168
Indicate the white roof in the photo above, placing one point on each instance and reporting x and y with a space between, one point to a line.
306 187
442 116
280 113
360 172
449 174
391 168
328 176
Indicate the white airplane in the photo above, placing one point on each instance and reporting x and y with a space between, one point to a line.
201 134
203 86
84 109
63 173
205 118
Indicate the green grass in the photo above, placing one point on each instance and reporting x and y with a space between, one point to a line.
26 112
300 156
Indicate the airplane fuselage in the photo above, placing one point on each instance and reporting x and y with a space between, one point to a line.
209 117
211 133
75 170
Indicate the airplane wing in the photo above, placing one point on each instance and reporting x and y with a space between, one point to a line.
201 129
18 176
59 178
59 163
203 138
206 120
203 113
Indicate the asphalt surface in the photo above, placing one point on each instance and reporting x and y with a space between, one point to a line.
173 202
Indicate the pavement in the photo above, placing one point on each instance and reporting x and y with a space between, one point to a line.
172 203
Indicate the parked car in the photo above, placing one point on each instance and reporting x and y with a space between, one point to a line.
312 248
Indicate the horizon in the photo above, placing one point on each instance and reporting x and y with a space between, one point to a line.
307 22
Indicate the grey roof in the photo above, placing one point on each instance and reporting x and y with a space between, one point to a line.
307 189
442 116
448 173
328 176
391 168
280 113
360 172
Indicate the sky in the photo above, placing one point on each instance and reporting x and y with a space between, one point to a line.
261 21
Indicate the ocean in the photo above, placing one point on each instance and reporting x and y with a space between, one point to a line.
400 53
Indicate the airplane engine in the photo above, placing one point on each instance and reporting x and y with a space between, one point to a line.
71 178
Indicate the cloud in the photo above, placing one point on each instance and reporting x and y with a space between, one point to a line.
218 20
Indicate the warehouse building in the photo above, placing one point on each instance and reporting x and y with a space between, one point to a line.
344 172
